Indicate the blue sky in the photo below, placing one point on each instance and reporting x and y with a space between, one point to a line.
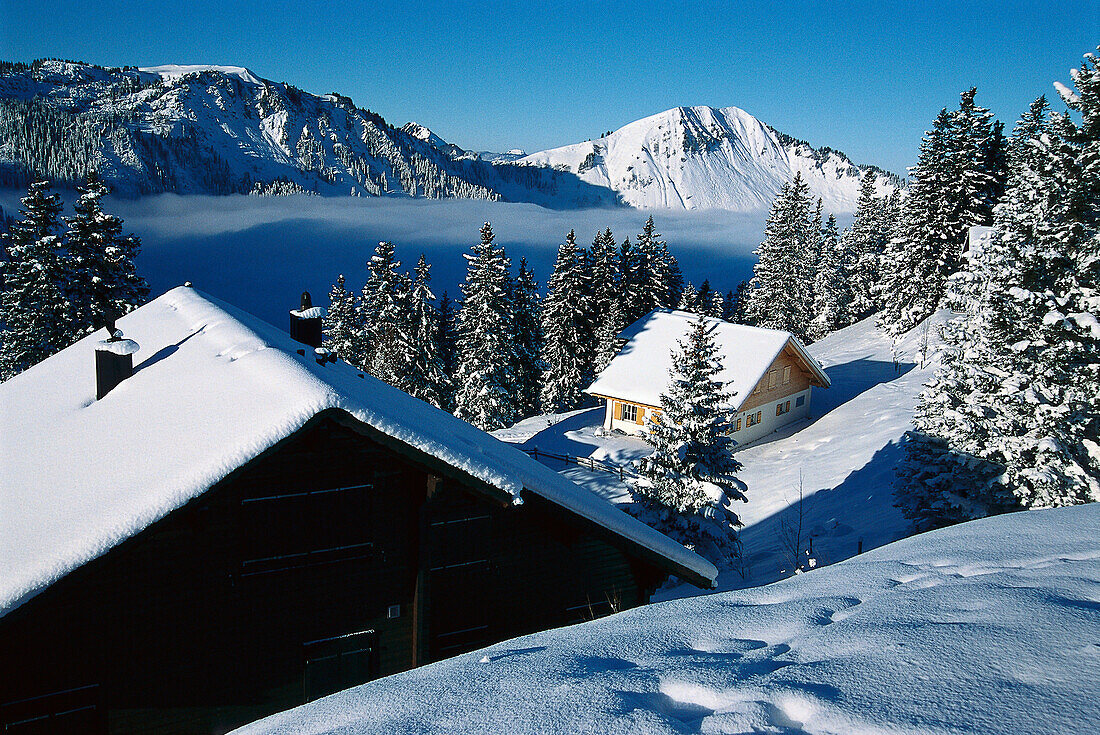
866 78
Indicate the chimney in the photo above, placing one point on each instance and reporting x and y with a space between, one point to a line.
114 361
305 322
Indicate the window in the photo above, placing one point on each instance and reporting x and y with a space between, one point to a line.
800 401
630 412
772 377
782 408
786 375
752 419
737 424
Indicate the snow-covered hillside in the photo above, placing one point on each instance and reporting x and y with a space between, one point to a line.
987 627
843 456
707 158
220 130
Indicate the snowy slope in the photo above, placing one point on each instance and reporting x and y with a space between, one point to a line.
844 456
988 627
707 158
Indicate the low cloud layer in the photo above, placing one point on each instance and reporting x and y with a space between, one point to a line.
260 253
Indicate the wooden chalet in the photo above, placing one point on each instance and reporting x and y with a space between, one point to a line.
768 373
239 525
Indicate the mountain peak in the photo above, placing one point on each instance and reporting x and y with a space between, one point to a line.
702 157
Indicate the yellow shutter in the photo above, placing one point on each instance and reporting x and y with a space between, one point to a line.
641 414
618 411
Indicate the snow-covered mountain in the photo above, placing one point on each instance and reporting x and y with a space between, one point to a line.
195 129
707 158
222 130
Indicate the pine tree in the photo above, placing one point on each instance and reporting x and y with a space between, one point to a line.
383 315
102 283
422 375
632 283
780 297
567 330
863 246
661 279
485 382
954 188
343 328
529 339
736 304
832 289
692 472
689 298
717 306
447 339
702 298
34 312
1011 418
605 299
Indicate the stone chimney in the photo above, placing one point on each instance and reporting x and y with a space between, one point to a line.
114 361
305 322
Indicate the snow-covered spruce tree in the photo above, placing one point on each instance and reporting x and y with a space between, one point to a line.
832 289
717 305
35 317
780 292
343 327
605 301
423 374
485 383
661 278
953 189
383 315
688 298
734 308
1012 418
567 332
529 339
689 481
863 246
103 284
632 282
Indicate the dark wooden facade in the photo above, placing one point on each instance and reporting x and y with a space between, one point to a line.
335 557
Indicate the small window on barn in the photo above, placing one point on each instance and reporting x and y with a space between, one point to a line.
737 425
800 401
773 376
630 412
786 375
782 408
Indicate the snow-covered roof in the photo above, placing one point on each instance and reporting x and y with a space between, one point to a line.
640 372
212 388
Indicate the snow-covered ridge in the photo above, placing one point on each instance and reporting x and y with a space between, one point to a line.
175 71
987 627
212 388
209 129
708 158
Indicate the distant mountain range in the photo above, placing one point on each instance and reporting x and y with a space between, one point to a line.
223 130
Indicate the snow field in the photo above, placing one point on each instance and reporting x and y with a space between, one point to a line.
953 631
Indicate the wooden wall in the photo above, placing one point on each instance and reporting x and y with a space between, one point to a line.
800 381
